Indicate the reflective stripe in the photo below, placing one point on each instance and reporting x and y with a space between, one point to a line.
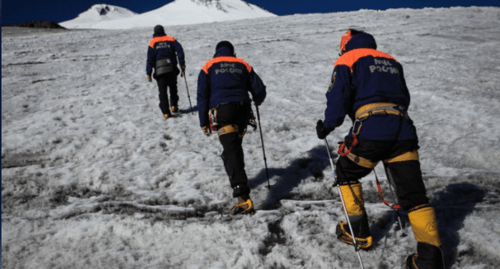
160 39
227 130
228 59
405 157
377 108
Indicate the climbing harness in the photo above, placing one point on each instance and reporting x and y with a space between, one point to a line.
228 129
363 113
233 128
212 117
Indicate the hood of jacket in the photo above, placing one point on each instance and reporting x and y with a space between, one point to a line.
224 51
361 40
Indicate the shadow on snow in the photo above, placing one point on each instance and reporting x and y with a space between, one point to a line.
452 206
286 179
193 110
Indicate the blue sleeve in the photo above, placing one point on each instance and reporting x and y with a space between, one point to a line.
150 61
257 88
406 91
338 97
180 53
203 98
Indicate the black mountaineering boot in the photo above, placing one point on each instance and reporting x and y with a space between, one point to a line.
428 257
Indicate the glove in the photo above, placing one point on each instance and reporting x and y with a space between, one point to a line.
183 70
149 78
206 130
321 131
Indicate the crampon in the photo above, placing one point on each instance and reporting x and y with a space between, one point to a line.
243 207
345 236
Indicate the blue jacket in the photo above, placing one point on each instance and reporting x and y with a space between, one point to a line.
162 47
364 75
226 79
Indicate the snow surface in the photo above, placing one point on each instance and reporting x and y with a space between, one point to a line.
94 177
178 12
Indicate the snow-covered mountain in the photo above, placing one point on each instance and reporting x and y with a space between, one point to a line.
97 14
179 12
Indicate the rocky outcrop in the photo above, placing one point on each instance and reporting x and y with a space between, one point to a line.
39 24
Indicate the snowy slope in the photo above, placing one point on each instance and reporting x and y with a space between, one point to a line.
179 12
94 177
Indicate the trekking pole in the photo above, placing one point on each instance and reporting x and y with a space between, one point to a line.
187 89
263 150
393 196
391 185
356 249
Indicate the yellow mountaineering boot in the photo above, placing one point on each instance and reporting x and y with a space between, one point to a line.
166 116
243 207
353 198
174 109
429 253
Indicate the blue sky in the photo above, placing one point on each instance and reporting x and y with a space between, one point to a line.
18 11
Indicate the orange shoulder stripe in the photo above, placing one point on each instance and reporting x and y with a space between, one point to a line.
351 57
225 59
160 39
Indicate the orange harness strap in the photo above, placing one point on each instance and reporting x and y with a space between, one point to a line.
341 151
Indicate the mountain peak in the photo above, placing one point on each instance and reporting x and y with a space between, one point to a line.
211 3
102 9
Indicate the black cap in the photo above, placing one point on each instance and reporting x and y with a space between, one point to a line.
159 29
226 44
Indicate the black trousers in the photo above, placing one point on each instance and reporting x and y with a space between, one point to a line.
407 175
236 114
167 81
